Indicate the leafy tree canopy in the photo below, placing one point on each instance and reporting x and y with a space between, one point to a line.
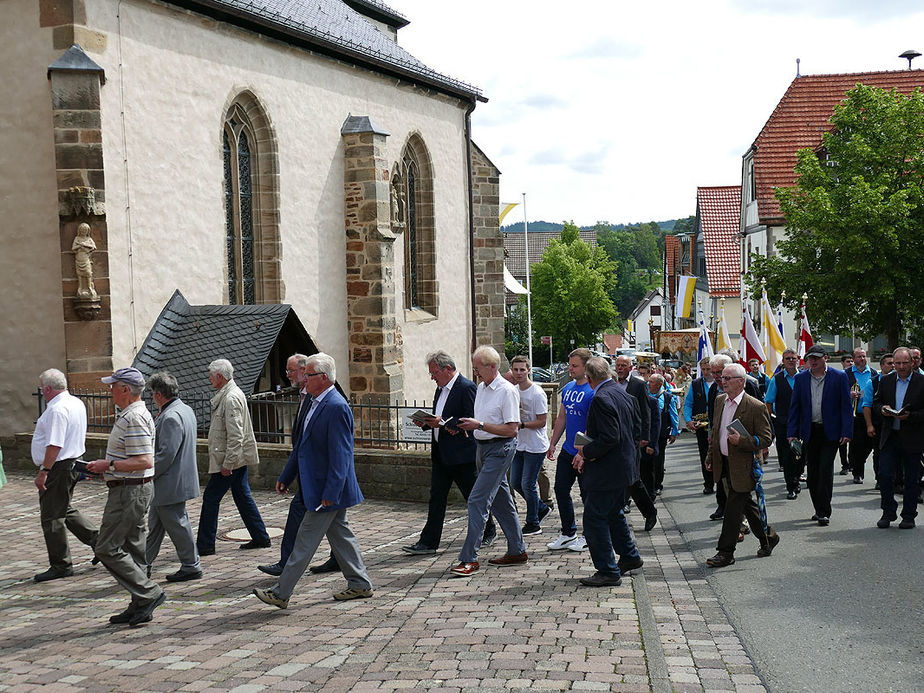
570 288
855 220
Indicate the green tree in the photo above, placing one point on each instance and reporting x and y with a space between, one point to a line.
635 250
855 220
570 292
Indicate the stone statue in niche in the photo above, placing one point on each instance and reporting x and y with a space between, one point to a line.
83 248
397 206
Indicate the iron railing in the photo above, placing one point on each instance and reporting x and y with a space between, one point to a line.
272 413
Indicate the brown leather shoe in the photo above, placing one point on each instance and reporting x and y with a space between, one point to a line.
508 559
465 569
720 560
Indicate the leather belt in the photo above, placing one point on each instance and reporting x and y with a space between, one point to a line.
128 482
497 439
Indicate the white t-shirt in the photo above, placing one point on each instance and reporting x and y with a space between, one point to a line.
497 403
533 403
64 424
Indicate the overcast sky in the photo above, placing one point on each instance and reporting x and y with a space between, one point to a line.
609 110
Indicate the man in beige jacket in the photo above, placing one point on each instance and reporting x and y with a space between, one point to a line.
232 447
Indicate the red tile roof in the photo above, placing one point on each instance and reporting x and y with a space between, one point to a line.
799 120
718 210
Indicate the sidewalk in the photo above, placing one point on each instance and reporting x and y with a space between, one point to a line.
519 628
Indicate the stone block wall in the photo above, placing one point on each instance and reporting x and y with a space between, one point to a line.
489 252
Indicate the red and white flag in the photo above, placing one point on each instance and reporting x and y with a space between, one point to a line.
805 336
750 342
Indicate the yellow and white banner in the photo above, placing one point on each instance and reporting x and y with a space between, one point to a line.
770 338
686 287
505 209
722 340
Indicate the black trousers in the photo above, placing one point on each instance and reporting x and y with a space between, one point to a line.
442 476
792 465
860 447
819 463
659 464
58 515
648 473
737 506
702 444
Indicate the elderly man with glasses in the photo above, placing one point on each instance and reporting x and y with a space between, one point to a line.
732 458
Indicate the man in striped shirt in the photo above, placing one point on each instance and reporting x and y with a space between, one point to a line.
128 470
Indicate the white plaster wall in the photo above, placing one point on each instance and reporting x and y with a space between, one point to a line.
31 331
176 74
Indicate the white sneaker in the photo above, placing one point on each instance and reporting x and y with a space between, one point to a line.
579 544
562 542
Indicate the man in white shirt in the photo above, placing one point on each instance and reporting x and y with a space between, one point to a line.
59 439
495 425
532 444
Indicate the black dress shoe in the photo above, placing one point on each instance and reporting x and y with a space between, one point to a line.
184 575
53 574
601 580
814 517
717 515
791 495
274 569
328 566
907 523
256 544
626 567
765 551
823 521
857 480
886 520
720 560
125 616
206 552
145 614
708 491
94 560
651 521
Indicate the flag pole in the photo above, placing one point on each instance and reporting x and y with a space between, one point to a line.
529 294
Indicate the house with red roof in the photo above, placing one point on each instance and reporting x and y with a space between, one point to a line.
797 122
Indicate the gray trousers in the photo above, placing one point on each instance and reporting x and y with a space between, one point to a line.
491 493
58 516
121 542
332 524
173 520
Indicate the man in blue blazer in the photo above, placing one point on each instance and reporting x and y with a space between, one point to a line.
609 465
821 416
323 462
452 452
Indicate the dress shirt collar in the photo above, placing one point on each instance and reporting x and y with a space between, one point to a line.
448 386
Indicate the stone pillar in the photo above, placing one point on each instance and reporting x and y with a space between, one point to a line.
75 90
376 359
490 294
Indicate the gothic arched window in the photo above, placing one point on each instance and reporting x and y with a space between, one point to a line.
414 183
252 247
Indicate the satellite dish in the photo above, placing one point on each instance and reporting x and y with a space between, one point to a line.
909 56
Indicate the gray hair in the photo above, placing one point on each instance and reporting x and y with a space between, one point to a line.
300 359
905 349
323 363
658 378
720 360
737 370
223 368
164 384
597 369
54 379
730 353
441 360
487 355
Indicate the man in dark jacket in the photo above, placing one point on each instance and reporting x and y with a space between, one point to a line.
695 415
452 453
609 465
779 394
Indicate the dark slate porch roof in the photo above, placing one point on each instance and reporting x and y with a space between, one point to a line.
185 339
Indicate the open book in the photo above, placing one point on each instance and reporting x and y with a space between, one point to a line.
582 438
738 428
889 410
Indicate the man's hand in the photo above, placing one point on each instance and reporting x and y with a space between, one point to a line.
326 503
734 438
40 480
691 426
431 422
578 463
281 488
467 424
225 471
550 453
649 451
98 466
791 438
672 439
844 440
871 431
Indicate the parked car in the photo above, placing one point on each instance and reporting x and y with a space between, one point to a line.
541 375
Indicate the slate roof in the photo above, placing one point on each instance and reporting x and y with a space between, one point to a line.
799 120
334 28
185 339
515 248
718 213
646 301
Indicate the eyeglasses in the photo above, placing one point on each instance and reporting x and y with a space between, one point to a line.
791 358
731 377
311 375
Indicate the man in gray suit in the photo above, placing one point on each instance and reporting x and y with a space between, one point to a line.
176 478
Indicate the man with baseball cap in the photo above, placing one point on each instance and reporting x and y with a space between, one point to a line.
128 471
821 416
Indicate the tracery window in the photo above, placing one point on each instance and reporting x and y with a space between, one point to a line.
413 183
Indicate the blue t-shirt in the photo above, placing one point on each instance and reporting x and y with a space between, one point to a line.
576 401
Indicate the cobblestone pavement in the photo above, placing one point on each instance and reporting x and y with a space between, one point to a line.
518 628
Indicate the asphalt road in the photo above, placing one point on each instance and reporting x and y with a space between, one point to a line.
835 608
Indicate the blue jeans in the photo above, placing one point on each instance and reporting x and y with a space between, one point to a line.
215 490
565 476
891 458
606 530
492 494
524 476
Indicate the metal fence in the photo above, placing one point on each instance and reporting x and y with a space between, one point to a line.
379 426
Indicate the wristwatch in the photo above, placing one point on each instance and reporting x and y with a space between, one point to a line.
522 425
112 467
481 425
